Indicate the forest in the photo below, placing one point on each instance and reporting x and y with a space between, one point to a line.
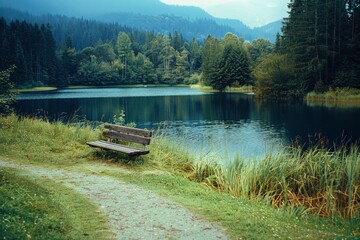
317 50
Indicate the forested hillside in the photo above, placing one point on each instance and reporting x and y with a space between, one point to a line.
198 26
129 57
94 8
108 54
85 32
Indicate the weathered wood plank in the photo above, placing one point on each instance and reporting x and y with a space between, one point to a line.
127 137
128 130
131 151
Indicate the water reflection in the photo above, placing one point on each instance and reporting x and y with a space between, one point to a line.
206 123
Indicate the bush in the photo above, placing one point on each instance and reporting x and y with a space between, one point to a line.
275 77
7 97
193 79
320 87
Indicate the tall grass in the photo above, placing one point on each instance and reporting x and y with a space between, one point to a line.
45 142
337 94
324 182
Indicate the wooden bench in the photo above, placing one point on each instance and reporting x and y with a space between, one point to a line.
124 134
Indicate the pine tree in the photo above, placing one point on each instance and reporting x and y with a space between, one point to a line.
126 55
69 61
277 46
211 57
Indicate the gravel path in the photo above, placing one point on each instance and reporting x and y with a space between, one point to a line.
133 213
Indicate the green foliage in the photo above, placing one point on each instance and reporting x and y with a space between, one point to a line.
320 37
320 87
225 62
211 57
7 97
275 77
130 57
259 48
120 120
32 49
347 76
193 79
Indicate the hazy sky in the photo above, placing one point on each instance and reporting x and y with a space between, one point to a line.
251 12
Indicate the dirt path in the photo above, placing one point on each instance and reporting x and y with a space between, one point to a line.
133 213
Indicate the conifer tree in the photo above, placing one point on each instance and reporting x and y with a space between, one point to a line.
211 57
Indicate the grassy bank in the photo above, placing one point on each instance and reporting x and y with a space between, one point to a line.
36 89
336 95
242 89
268 199
48 88
30 210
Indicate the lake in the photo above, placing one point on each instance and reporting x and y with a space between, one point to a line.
219 124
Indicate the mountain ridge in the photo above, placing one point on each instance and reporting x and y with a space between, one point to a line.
145 15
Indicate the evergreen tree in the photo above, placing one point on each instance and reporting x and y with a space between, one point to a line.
195 51
167 59
259 48
182 67
213 50
319 36
277 46
69 61
21 73
233 66
126 55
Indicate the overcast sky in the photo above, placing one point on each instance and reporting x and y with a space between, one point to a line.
251 12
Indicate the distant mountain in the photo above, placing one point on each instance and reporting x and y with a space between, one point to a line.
165 24
86 8
268 31
148 15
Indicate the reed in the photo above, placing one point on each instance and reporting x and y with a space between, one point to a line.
337 94
324 182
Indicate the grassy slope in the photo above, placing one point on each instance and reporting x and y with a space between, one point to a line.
161 171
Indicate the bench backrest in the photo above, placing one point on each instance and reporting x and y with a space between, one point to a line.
135 135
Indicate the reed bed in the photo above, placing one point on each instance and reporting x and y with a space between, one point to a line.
337 94
315 180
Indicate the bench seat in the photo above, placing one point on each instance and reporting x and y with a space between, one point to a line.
131 151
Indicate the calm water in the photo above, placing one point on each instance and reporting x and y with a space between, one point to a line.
223 124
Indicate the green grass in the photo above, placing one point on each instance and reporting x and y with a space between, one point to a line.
337 94
35 209
238 197
35 89
242 89
39 141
